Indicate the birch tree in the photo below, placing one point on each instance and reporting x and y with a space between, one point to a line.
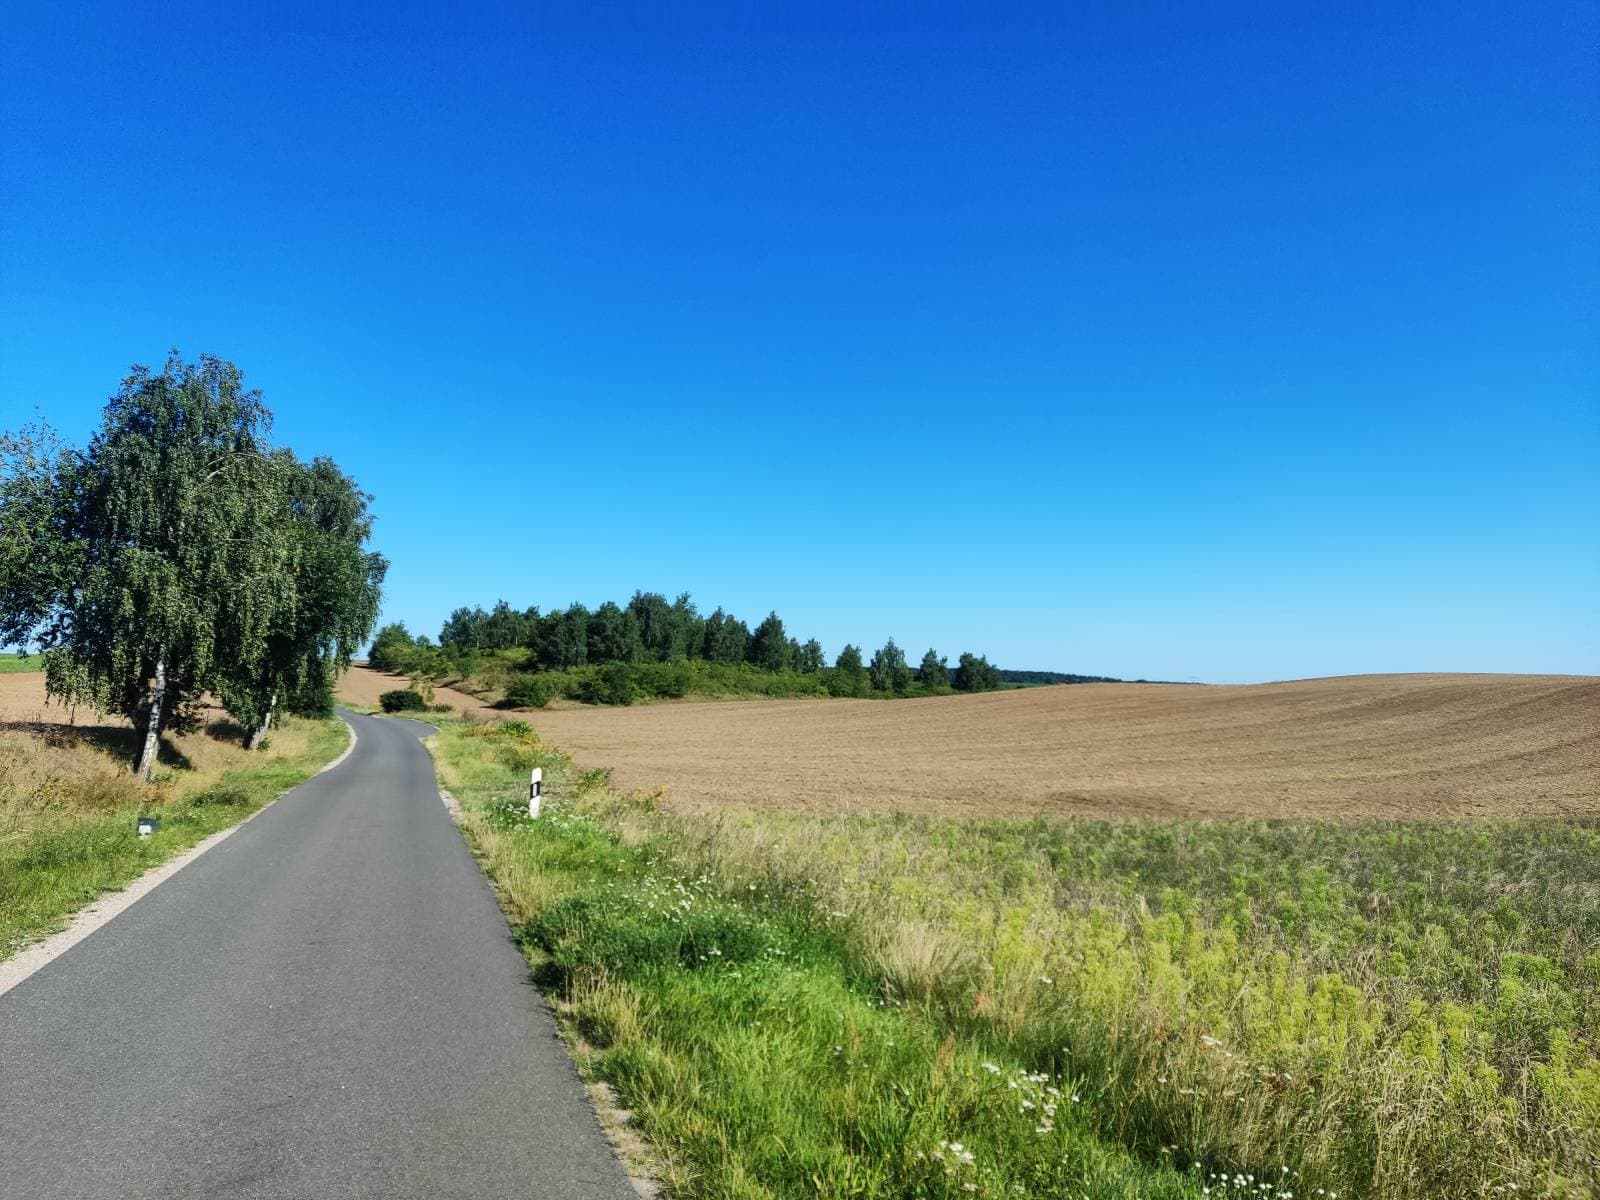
889 672
167 505
325 605
179 554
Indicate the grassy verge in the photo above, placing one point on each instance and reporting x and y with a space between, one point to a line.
67 809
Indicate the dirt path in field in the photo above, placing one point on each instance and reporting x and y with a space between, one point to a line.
1384 746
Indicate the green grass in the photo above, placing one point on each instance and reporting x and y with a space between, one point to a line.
67 829
11 664
1396 1010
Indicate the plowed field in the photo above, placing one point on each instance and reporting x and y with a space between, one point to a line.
1376 746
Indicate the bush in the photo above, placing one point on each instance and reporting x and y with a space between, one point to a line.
402 700
668 680
611 684
314 699
529 691
841 683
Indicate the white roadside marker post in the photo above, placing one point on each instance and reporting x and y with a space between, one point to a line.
535 787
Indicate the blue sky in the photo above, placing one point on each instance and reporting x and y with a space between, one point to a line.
1233 345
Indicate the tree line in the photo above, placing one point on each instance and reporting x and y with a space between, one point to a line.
1047 677
181 553
651 629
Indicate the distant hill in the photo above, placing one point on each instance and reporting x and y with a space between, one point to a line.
1036 678
1046 678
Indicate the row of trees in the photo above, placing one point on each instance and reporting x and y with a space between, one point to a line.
182 553
650 629
1051 677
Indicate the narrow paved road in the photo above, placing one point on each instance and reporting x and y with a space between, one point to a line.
327 1004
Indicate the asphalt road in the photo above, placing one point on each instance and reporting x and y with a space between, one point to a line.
326 1004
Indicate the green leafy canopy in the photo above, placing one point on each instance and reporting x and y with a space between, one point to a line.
181 543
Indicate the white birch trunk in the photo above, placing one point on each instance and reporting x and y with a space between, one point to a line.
152 733
266 723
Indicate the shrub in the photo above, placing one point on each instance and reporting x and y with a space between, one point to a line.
529 691
669 680
402 700
515 744
314 699
611 684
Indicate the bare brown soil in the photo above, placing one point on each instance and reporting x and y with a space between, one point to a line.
23 703
203 752
1377 746
22 699
363 686
25 708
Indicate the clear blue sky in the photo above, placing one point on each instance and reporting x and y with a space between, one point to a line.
1185 343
